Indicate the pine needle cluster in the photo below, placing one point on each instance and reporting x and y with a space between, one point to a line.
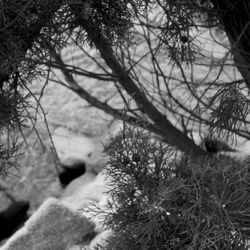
160 201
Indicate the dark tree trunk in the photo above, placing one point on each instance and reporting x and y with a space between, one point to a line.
235 17
172 135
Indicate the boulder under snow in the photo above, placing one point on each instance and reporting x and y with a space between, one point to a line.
52 227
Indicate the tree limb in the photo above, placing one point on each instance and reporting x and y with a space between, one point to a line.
171 134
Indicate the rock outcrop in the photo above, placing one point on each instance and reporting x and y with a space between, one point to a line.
84 190
72 145
52 227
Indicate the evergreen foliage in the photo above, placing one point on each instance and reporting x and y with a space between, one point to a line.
160 201
33 34
28 31
13 115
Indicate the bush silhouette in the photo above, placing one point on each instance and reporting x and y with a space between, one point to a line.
160 201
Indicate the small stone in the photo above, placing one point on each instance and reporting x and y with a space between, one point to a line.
100 240
71 168
75 247
73 163
78 184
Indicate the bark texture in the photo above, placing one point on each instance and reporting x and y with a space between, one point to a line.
235 17
172 135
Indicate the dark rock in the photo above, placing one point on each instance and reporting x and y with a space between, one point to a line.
13 218
71 168
214 146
